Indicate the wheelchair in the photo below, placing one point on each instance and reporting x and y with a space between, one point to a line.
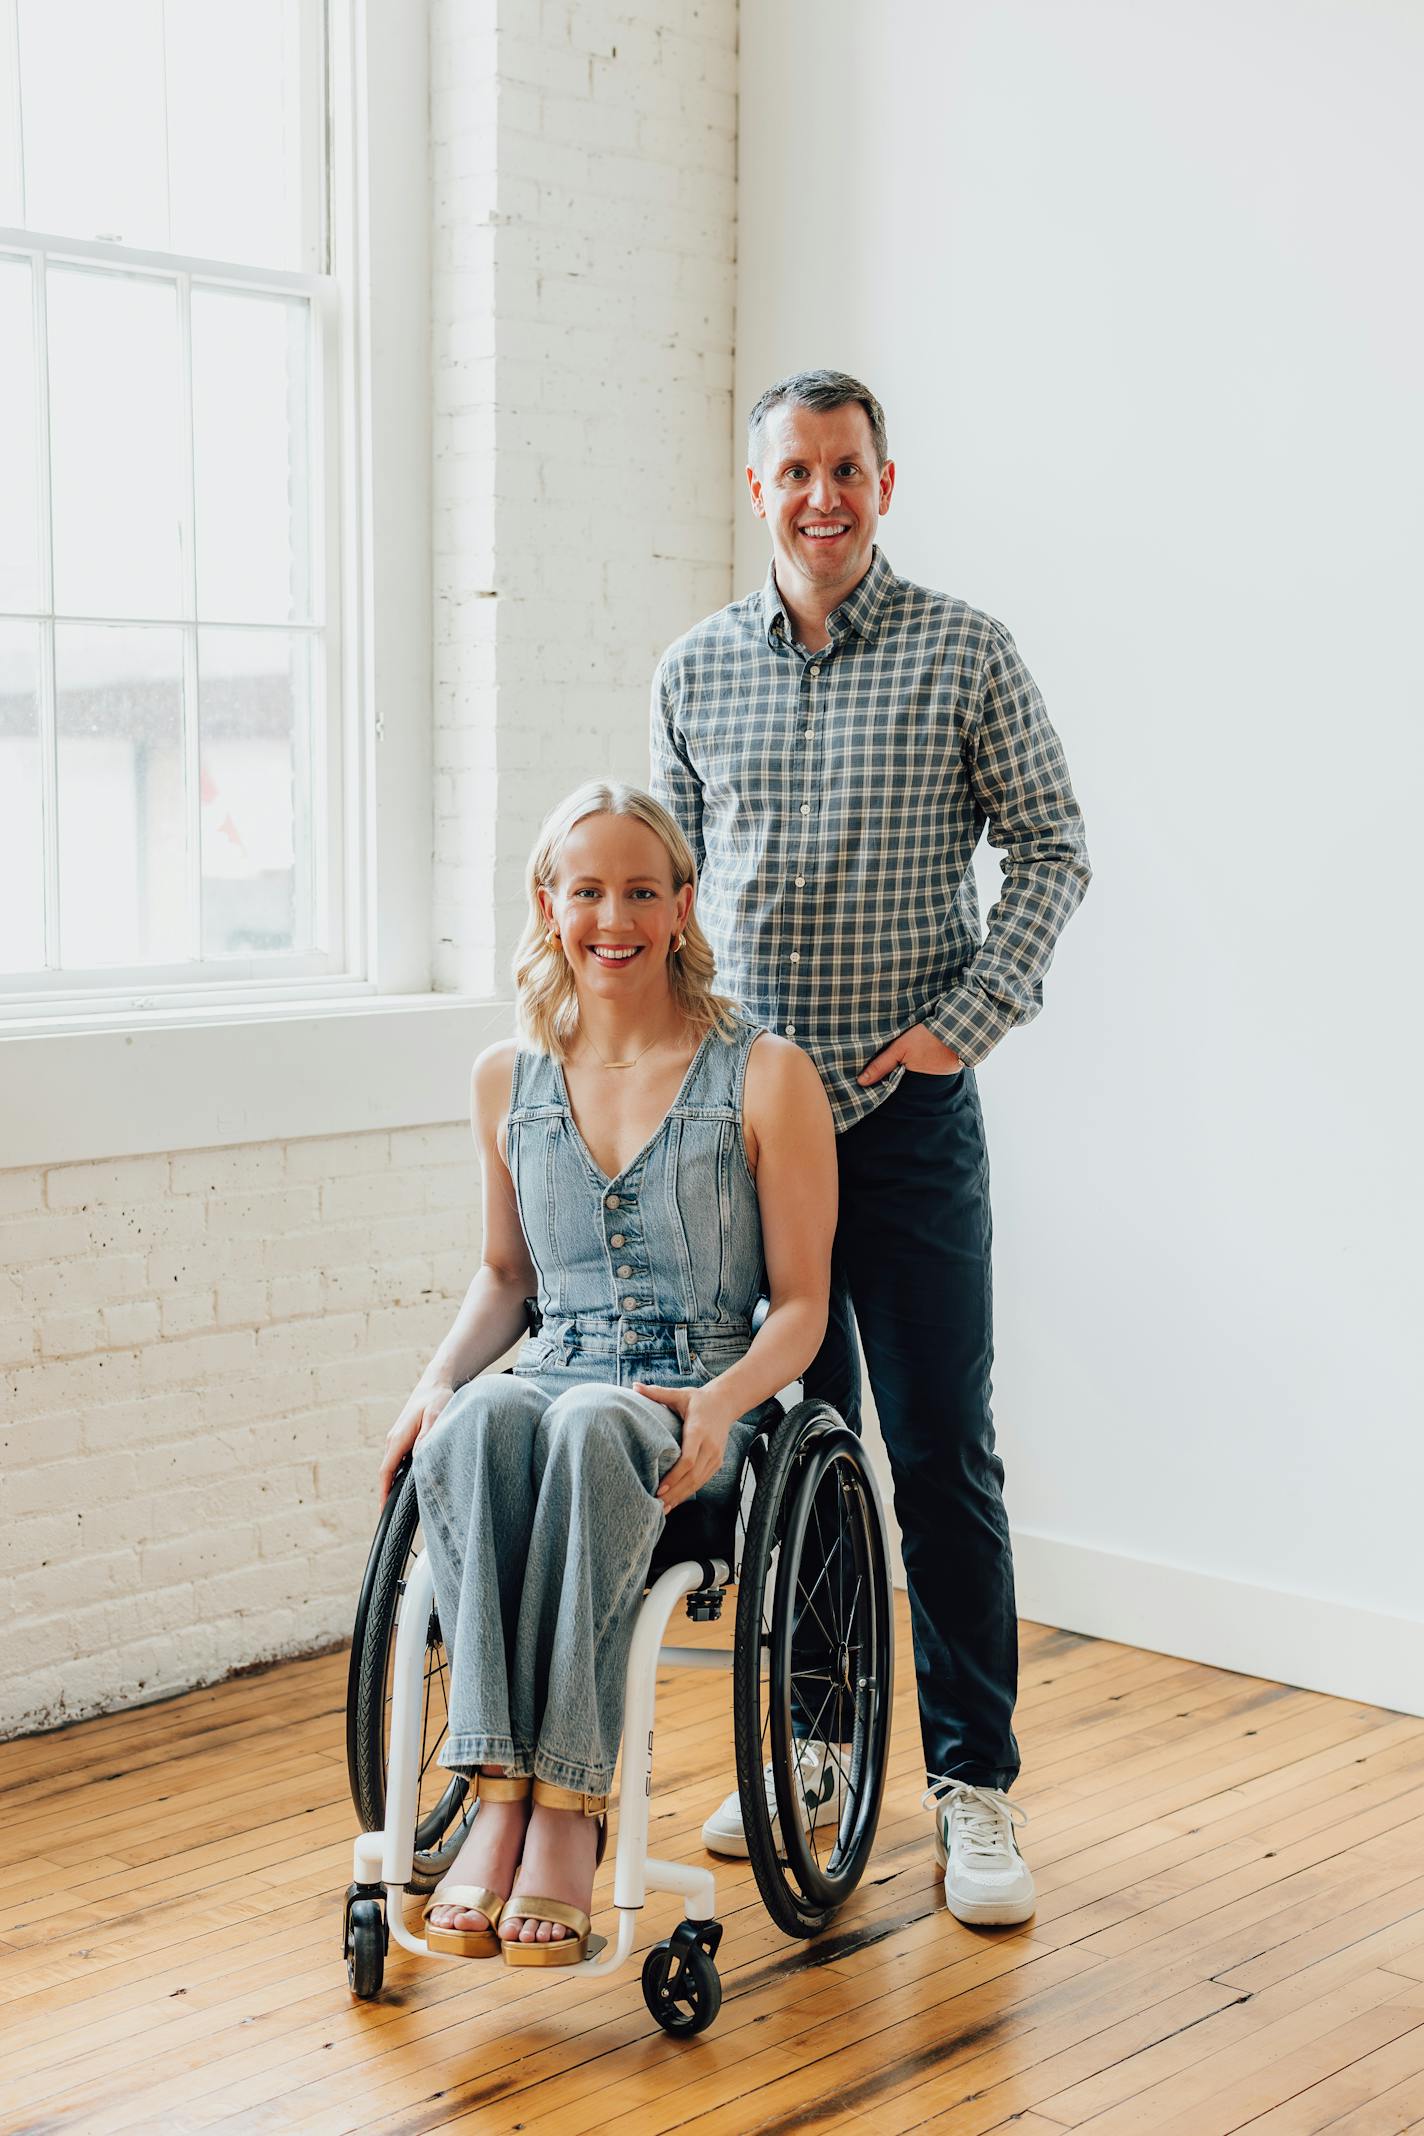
803 1539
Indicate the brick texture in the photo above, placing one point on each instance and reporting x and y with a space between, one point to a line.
584 165
210 1349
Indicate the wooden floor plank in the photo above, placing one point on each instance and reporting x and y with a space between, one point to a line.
1231 1924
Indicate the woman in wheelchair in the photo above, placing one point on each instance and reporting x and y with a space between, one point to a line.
651 1163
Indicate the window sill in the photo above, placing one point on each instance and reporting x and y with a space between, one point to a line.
200 1079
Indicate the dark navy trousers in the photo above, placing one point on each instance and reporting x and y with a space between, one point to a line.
911 1271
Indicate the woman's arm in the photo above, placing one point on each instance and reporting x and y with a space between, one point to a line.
492 1315
790 1131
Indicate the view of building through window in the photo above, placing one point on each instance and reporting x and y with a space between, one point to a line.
162 524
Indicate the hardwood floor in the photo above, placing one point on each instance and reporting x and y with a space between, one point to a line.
1230 1934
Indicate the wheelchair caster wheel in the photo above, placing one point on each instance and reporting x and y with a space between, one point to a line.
365 1948
681 1985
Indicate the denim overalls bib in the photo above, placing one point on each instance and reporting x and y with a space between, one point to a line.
653 1275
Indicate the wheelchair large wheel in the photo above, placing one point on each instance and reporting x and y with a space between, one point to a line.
442 1819
813 1666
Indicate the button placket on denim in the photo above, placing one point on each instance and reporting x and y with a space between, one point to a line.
632 1286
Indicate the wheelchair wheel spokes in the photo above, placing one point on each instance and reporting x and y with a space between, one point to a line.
815 1592
441 1815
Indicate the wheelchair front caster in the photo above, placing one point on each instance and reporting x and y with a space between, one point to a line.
681 1985
366 1940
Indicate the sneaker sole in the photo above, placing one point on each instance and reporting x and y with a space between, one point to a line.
992 1913
732 1849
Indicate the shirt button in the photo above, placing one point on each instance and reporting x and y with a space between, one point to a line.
800 882
617 1239
791 1030
796 956
805 808
630 1305
625 1271
610 1201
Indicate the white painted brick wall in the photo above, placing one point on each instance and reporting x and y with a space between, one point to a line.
200 1354
585 217
204 1354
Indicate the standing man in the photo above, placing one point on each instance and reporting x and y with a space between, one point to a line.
833 746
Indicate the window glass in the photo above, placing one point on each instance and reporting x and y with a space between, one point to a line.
19 498
235 76
21 800
91 80
116 450
122 815
255 694
251 456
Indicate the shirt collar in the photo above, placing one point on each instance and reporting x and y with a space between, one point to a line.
859 611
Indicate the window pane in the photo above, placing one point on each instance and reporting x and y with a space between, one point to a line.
235 107
116 452
122 872
21 802
11 193
255 700
251 457
19 497
91 76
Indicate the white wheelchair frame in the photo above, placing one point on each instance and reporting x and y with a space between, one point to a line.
385 1858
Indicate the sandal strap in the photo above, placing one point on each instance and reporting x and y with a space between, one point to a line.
500 1787
470 1898
534 1909
550 1797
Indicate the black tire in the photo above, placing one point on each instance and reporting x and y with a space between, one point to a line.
443 1817
816 1554
682 1988
365 1949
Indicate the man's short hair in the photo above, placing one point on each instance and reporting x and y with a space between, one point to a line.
820 391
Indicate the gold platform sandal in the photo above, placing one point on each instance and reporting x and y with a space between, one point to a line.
569 1950
475 1898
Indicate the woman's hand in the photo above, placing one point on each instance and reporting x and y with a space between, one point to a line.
704 1440
420 1415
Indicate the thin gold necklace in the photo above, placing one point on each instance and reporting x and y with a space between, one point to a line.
624 1064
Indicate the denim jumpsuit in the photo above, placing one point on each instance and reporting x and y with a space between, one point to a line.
536 1488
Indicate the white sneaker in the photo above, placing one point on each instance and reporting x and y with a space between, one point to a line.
822 1791
987 1882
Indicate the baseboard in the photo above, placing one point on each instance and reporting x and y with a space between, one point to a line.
1309 1640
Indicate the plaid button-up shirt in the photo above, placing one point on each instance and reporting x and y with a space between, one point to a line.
833 801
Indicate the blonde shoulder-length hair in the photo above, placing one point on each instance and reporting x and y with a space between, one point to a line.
545 997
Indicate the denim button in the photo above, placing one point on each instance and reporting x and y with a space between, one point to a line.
625 1270
617 1240
611 1201
630 1305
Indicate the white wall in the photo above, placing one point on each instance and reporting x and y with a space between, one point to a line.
1137 287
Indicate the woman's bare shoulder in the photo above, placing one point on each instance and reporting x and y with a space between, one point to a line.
490 1081
781 1076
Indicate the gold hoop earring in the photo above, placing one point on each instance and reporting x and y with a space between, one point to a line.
551 937
679 942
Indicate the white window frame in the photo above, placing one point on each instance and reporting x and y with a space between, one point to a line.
235 978
152 1071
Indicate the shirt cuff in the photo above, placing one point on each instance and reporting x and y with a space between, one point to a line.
969 1020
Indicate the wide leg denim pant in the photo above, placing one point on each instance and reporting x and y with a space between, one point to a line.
536 1500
